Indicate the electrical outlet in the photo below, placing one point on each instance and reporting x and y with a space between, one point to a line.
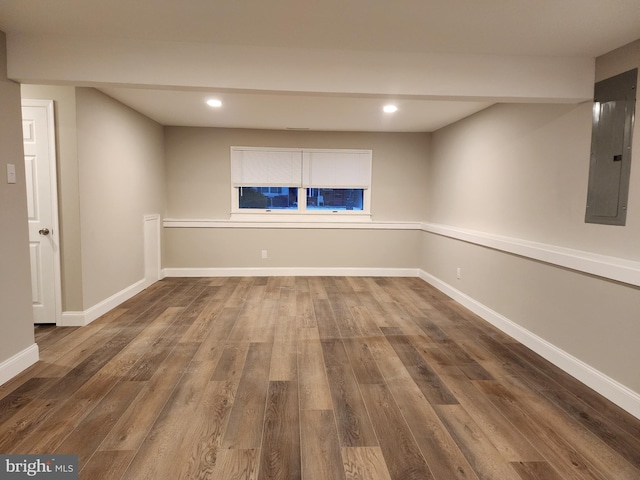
459 273
264 254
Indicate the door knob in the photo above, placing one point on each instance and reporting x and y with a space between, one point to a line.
43 231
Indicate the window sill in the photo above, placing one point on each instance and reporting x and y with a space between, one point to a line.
311 217
347 222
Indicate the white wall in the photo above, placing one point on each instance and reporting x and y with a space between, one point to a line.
199 170
199 187
17 347
521 171
121 179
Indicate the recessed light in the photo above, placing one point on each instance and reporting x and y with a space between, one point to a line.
214 102
390 108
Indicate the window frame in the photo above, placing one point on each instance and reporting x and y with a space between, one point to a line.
302 213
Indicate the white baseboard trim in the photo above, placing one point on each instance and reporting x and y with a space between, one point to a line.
290 271
614 391
18 363
80 319
72 319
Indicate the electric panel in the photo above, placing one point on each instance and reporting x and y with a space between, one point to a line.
613 116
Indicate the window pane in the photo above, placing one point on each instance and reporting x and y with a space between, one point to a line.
335 198
280 198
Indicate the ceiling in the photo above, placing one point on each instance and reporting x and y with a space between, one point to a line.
510 28
293 111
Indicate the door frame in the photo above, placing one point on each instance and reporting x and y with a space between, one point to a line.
48 105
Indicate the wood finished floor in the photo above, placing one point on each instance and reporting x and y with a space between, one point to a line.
308 377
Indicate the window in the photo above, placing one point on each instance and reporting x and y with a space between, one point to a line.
335 199
300 181
282 198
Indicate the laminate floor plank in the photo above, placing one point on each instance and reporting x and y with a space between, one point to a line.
51 426
48 335
247 414
237 464
320 446
161 448
485 459
341 310
535 471
22 396
284 360
317 288
239 296
443 456
308 377
273 288
364 463
136 422
425 377
361 360
219 329
512 445
231 362
84 371
574 397
264 328
364 321
280 452
78 345
562 455
248 317
354 425
140 359
375 309
23 421
107 465
379 288
201 326
358 284
326 321
304 309
346 290
402 296
208 422
599 455
398 317
402 455
287 306
204 431
314 393
623 442
85 439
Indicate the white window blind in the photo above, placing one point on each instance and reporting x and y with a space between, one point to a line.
336 169
263 168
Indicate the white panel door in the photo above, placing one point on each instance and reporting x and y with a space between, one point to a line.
40 179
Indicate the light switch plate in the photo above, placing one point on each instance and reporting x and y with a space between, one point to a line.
11 173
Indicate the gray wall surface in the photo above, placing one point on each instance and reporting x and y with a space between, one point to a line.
521 171
16 317
121 179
